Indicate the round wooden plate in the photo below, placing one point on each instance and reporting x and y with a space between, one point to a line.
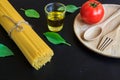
112 50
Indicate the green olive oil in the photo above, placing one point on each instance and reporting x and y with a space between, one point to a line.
55 21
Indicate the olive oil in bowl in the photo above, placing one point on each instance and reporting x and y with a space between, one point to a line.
55 13
55 21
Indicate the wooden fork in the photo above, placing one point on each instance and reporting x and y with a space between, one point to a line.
108 39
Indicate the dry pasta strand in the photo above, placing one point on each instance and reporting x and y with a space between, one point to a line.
36 51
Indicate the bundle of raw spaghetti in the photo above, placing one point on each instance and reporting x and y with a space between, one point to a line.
36 51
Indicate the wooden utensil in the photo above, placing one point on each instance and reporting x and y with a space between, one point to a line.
95 31
108 39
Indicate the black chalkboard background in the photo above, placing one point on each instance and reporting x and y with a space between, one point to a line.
68 63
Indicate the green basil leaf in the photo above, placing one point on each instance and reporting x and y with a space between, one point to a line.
61 9
5 51
55 38
31 13
71 8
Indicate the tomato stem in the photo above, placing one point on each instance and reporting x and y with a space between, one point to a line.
93 4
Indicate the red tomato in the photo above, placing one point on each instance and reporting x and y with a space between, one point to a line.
92 11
